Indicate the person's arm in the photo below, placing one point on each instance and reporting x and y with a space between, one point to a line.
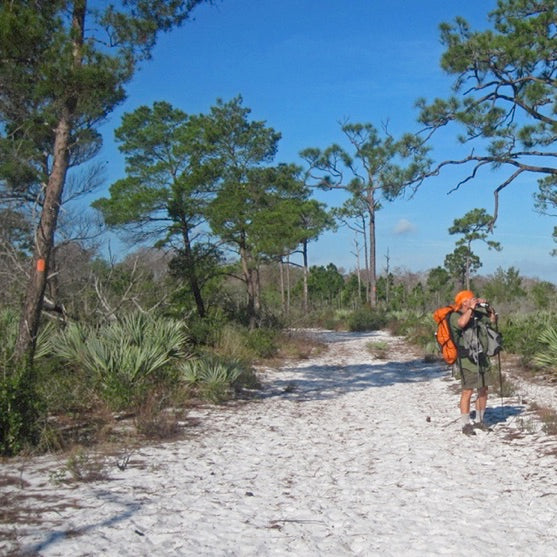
492 314
465 317
468 307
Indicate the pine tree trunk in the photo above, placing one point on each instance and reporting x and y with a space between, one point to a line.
251 285
191 272
372 256
306 273
282 287
366 263
44 240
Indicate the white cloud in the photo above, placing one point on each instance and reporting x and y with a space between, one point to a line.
404 226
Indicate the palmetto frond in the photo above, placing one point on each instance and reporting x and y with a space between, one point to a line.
212 376
548 358
120 356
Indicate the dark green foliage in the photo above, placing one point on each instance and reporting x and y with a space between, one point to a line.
324 284
20 406
20 409
502 102
544 294
417 298
440 286
547 357
216 378
502 105
164 196
122 359
354 291
263 342
325 318
521 333
391 294
372 169
418 328
366 319
206 331
63 69
66 389
504 286
462 263
475 225
260 212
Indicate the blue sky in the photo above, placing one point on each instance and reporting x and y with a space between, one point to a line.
303 66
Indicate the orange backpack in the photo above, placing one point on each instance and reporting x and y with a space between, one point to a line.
447 346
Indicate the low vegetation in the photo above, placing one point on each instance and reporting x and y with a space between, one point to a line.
133 375
88 344
379 349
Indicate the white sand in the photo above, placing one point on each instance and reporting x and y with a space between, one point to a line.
343 455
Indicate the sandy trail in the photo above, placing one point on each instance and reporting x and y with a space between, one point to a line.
343 454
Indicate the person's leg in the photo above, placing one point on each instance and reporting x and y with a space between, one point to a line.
465 397
481 404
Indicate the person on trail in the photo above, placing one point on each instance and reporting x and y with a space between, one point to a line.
473 363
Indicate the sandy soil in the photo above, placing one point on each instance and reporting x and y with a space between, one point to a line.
343 453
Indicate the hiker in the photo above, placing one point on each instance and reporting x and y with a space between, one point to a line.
473 362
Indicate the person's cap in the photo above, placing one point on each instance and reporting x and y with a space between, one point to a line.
463 295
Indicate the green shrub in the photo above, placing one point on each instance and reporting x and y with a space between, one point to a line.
521 333
378 348
206 331
231 343
366 320
323 318
124 358
20 410
235 342
20 407
418 328
9 323
214 379
547 358
298 345
65 388
263 342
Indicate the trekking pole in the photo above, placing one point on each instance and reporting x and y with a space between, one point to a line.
478 347
500 383
499 366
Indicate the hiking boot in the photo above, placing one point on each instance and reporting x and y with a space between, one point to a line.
468 429
482 425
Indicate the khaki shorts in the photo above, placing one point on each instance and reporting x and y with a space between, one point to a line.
472 379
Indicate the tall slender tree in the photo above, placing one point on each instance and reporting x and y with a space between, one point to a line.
164 196
258 210
372 169
462 263
439 285
63 69
474 226
354 214
314 220
260 219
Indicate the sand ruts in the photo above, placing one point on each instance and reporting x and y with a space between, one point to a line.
343 454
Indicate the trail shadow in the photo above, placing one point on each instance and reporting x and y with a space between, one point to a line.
326 381
500 414
129 509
